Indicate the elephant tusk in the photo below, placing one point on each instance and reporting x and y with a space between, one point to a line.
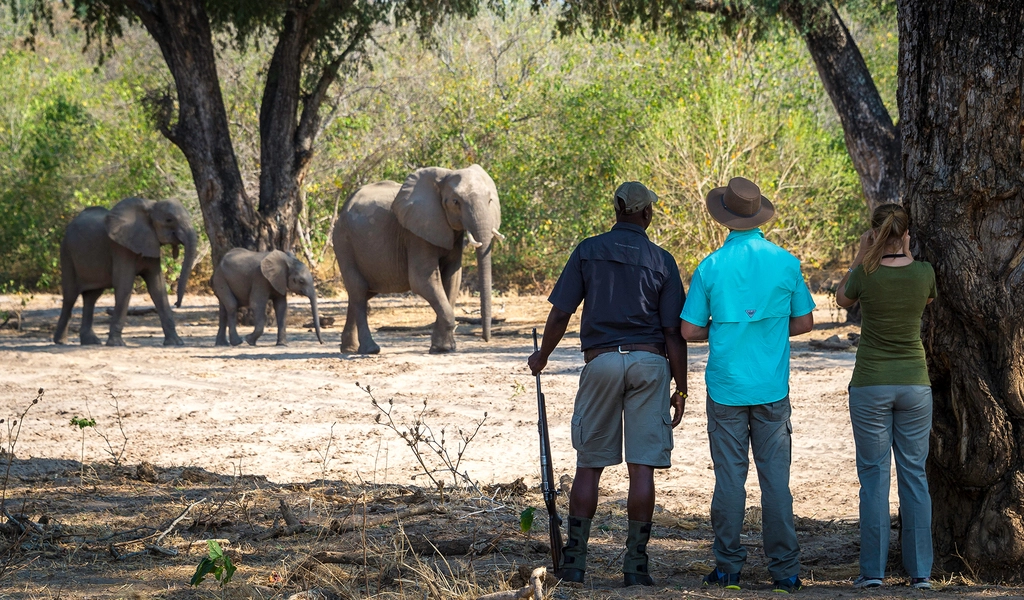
498 234
472 240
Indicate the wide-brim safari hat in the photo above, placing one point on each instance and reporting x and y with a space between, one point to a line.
739 205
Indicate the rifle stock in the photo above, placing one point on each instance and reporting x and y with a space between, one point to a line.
547 474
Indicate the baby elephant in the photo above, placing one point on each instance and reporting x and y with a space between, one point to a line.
247 278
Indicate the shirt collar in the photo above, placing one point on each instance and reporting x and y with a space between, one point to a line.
630 227
742 235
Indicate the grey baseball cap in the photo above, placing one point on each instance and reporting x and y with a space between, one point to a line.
634 195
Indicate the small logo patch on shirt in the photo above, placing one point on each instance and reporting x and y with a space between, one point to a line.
750 312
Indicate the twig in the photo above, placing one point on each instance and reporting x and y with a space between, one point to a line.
115 455
175 522
13 433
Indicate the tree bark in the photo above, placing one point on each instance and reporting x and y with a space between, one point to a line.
280 177
960 72
181 28
871 137
287 134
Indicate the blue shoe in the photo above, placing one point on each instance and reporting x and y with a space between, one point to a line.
867 582
788 585
921 583
729 581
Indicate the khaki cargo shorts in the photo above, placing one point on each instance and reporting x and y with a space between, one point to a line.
623 397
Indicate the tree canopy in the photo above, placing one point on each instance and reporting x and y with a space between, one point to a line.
312 41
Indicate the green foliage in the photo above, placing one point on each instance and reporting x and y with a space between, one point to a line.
82 422
558 122
216 563
526 519
740 118
72 136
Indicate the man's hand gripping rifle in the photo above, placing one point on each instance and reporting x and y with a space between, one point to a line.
547 474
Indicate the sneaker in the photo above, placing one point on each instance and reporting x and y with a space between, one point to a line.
866 582
729 581
921 583
788 585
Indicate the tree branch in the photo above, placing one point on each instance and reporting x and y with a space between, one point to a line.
310 119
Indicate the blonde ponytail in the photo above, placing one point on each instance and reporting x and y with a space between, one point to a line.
889 222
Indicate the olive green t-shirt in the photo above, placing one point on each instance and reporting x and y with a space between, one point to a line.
891 300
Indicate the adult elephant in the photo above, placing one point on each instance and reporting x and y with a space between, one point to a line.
393 237
248 278
109 248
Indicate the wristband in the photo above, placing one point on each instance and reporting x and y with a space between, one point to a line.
681 393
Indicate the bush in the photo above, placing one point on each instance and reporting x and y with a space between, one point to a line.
557 122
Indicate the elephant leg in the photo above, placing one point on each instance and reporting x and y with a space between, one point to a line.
222 326
60 334
451 279
71 291
356 337
258 306
281 312
442 339
157 288
124 279
228 311
86 334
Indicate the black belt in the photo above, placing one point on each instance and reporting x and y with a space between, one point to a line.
591 353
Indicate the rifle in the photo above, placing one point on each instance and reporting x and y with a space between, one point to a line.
547 474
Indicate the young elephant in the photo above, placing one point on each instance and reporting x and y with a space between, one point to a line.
247 278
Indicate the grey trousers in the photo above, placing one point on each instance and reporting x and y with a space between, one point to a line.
733 431
891 419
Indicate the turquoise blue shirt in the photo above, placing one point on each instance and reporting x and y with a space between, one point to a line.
749 288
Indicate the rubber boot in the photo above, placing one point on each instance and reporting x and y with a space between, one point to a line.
634 564
574 553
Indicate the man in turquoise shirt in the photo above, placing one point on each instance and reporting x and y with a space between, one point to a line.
747 298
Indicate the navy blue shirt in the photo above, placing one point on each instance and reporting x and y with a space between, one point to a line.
630 288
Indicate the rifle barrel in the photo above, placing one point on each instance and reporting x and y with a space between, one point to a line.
547 474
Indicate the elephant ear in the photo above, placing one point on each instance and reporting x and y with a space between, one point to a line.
418 207
128 224
275 268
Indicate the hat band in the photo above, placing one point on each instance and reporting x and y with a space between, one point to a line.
740 215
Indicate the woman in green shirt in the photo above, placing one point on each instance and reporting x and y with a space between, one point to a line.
890 394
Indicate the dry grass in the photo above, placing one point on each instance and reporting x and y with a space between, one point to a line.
99 541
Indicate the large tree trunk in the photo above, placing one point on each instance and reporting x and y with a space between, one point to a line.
289 121
182 30
871 138
280 174
287 134
961 118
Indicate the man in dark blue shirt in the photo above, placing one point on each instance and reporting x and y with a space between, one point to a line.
632 296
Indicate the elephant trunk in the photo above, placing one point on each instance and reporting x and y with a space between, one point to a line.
190 241
316 315
483 260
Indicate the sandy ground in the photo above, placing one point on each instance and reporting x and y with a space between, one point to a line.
277 411
295 416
